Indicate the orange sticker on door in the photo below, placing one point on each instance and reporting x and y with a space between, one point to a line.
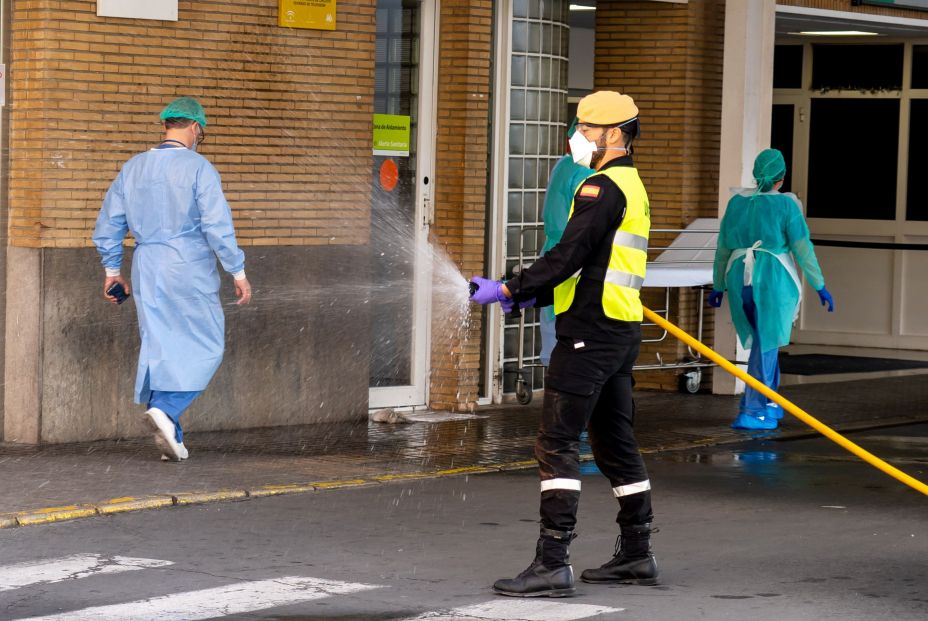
389 175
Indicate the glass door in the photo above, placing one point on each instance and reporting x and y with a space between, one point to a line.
401 212
869 225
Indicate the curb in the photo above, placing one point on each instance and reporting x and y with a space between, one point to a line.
130 503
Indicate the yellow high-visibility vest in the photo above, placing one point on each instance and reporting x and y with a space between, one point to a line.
629 256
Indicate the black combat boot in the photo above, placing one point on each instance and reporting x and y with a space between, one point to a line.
549 575
633 562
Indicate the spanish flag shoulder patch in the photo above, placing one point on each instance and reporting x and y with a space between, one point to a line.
588 190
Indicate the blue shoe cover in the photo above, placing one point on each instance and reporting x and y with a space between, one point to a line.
754 423
774 411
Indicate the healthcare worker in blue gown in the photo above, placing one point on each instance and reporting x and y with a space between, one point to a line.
566 177
171 199
762 238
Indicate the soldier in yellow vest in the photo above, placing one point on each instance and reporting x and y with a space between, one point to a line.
592 277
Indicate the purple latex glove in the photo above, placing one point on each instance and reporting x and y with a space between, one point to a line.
507 304
488 292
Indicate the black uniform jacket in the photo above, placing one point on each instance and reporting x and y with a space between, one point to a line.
599 207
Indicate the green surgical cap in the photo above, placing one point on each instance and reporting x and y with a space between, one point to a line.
185 108
769 167
572 128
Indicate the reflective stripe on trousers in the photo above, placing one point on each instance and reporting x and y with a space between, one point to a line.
568 484
631 488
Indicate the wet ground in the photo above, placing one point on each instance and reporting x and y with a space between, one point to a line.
252 461
767 529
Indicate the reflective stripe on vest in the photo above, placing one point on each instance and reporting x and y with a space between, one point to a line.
627 262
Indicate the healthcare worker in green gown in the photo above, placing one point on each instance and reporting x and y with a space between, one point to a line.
566 176
763 237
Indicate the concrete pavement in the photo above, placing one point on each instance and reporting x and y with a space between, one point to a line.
61 482
764 530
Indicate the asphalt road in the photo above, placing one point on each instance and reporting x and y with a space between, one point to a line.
766 530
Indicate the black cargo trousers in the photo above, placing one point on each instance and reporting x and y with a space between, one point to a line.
588 385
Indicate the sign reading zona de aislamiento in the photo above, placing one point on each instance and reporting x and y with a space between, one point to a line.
391 135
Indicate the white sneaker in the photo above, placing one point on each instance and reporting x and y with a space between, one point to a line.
183 455
165 438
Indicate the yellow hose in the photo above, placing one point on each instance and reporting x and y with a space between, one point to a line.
787 405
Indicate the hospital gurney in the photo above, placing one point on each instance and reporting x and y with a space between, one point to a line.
685 263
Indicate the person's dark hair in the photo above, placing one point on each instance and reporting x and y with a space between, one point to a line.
630 132
177 123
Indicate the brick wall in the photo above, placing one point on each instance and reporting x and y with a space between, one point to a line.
289 114
668 57
464 76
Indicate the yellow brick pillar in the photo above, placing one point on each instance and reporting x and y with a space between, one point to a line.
465 48
668 57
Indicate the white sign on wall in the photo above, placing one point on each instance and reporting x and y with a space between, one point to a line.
138 9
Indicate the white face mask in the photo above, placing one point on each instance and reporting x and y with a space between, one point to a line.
581 149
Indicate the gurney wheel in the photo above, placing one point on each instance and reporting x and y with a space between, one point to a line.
690 381
523 392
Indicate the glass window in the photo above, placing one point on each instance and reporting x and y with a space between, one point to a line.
917 196
517 104
787 66
518 70
517 139
857 67
842 183
781 137
519 36
920 66
515 173
529 210
515 207
534 37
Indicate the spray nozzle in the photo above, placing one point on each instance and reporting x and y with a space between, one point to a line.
472 287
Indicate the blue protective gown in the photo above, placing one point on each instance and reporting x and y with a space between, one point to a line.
565 177
776 221
172 201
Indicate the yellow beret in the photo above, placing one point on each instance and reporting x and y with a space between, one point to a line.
606 108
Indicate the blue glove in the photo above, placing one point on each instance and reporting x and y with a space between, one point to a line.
507 304
488 291
826 298
715 298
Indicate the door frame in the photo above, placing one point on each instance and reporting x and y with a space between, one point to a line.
417 393
898 230
496 222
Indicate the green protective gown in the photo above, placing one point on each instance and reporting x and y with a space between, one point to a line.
774 220
566 176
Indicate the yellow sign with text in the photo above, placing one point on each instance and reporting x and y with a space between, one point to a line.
316 14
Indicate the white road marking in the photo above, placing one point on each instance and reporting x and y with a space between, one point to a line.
70 568
518 610
236 598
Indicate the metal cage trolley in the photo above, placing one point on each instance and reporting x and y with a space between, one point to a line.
686 263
